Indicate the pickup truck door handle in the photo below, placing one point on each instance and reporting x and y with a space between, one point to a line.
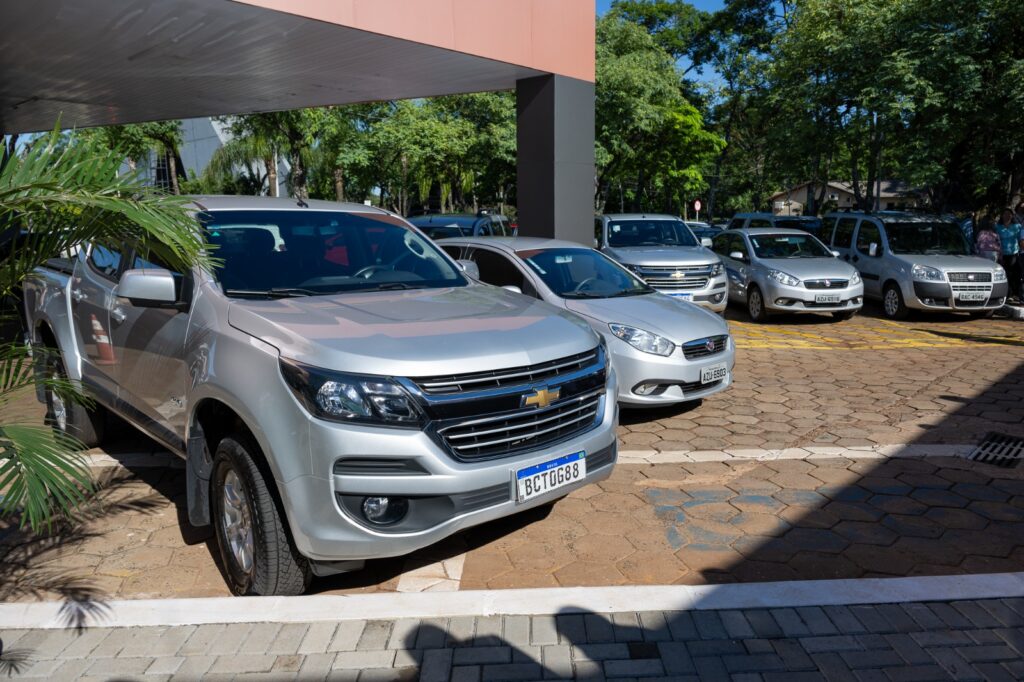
117 315
77 296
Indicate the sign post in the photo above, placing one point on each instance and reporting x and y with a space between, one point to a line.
696 208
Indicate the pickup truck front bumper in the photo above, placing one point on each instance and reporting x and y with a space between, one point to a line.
444 494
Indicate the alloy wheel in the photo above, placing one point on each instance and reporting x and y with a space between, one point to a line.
238 522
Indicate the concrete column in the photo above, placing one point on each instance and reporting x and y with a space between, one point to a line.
555 164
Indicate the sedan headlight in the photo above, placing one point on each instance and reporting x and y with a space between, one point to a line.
643 340
856 278
783 278
999 275
716 269
927 274
351 397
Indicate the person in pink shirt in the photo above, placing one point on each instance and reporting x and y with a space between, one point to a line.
986 241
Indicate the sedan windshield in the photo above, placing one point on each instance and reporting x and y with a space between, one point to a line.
582 273
788 246
939 238
306 253
649 233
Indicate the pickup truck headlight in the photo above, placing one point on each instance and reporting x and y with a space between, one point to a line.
643 340
351 398
927 274
716 269
784 278
856 278
999 275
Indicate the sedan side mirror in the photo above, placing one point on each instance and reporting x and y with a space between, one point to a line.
469 267
147 288
738 255
705 242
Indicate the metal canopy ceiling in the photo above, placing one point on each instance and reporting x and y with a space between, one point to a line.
100 62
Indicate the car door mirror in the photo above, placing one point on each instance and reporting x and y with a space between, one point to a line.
873 249
513 288
738 255
836 253
469 267
705 242
147 288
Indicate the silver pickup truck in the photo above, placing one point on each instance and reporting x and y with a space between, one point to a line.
339 389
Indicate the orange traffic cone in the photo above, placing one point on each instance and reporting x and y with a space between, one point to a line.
104 349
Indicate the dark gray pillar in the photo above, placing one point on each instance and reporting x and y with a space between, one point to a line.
555 164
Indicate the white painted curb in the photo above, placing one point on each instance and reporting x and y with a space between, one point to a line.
543 601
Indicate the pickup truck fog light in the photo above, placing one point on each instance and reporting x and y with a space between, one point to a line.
384 511
717 298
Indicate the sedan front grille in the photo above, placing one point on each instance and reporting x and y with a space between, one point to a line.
826 283
513 376
970 276
521 430
704 347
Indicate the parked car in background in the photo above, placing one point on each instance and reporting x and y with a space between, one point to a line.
663 251
911 261
353 396
810 224
777 270
703 231
663 350
441 225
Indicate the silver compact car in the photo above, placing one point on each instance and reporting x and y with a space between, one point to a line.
776 270
663 350
664 252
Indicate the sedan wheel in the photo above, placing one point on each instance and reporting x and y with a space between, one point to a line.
755 305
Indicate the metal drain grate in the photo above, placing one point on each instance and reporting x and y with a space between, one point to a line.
1000 450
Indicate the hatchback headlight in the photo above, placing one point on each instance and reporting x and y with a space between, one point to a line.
999 275
856 278
350 397
927 274
783 278
643 340
716 269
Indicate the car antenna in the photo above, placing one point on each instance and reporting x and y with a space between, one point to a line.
301 202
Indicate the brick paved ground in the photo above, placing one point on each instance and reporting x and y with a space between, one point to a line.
968 640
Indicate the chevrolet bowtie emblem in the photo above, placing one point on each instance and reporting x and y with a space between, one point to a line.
541 397
677 275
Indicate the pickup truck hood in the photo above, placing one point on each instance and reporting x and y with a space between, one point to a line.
415 333
677 321
949 263
811 268
663 255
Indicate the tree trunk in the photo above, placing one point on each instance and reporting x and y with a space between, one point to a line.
172 169
339 183
271 164
299 189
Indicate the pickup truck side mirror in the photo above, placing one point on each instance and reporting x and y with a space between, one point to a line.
513 288
147 288
738 255
469 267
835 253
705 242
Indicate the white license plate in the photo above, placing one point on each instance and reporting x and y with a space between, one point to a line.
827 298
548 476
714 373
972 296
682 297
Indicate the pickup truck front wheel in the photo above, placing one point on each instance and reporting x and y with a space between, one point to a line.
68 417
256 551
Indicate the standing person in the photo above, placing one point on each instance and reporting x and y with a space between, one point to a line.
1009 231
986 241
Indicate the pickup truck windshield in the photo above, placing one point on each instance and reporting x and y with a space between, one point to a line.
582 273
649 233
788 246
939 238
306 252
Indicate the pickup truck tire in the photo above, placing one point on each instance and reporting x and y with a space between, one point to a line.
79 421
256 550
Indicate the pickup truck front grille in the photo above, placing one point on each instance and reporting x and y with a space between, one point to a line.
529 374
702 348
531 429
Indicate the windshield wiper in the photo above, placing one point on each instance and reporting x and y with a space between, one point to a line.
632 292
275 292
392 286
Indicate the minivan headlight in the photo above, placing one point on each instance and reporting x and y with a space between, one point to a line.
999 275
351 398
927 274
784 278
643 340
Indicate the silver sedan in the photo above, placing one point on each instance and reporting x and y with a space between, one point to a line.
663 350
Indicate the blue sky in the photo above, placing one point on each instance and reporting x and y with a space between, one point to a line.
707 5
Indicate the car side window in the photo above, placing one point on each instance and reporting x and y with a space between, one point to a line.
106 262
867 235
735 223
498 270
720 244
453 251
842 238
738 244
